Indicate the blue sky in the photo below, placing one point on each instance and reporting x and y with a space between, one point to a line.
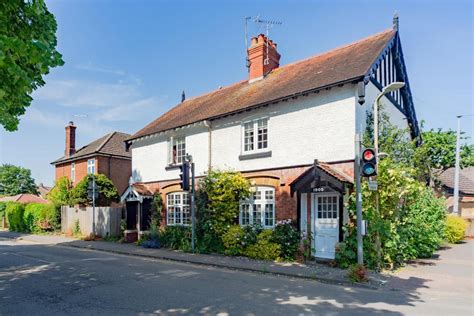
128 61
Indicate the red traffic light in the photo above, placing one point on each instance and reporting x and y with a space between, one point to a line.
368 154
368 163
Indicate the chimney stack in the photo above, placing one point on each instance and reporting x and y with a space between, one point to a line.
70 140
262 56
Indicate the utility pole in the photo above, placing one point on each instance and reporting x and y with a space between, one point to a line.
456 169
360 251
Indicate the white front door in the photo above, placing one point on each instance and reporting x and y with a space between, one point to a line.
326 224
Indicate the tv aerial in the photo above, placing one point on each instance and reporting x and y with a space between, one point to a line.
262 23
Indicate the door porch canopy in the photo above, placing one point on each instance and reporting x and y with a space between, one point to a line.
321 177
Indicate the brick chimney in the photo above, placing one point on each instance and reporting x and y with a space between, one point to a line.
262 56
70 140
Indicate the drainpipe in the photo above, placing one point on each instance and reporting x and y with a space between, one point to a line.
209 161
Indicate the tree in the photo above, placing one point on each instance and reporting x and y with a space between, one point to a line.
436 151
27 52
440 147
105 187
60 194
16 180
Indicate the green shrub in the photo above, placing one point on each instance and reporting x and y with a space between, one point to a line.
60 194
220 193
455 229
287 236
421 227
409 223
264 248
40 217
76 229
14 212
358 273
234 241
176 237
105 187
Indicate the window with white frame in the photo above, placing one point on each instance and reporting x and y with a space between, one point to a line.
255 135
73 172
177 150
91 166
259 208
177 209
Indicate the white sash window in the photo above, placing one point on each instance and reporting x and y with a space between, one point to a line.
259 208
176 150
255 135
177 209
91 166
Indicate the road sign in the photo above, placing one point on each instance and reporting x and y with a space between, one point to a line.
373 185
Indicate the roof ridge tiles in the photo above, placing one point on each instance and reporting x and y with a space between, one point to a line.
106 140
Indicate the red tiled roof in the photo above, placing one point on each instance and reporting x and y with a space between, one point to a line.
344 64
142 189
24 198
341 176
110 144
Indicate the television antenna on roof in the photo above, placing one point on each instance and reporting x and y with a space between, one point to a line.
267 24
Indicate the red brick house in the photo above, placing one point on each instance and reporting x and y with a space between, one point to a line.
289 129
106 155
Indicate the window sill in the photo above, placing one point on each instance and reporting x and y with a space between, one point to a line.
184 225
172 167
255 155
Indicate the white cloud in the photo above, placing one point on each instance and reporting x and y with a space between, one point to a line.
132 111
87 93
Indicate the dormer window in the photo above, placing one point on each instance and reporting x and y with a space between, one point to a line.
255 135
177 150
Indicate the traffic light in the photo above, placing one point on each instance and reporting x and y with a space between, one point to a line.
184 176
369 163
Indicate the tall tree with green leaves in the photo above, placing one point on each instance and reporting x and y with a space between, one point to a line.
440 147
27 52
16 180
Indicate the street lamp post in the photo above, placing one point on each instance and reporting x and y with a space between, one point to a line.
387 89
390 88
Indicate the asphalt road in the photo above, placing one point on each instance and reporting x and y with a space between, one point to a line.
56 280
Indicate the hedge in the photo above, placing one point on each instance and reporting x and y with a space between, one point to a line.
14 212
40 217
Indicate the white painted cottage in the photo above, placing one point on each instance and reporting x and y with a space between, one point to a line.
289 129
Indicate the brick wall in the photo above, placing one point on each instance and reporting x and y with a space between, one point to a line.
117 170
280 179
64 170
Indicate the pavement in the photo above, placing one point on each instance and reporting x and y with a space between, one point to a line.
48 278
314 271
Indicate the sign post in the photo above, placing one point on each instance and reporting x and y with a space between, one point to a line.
93 194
